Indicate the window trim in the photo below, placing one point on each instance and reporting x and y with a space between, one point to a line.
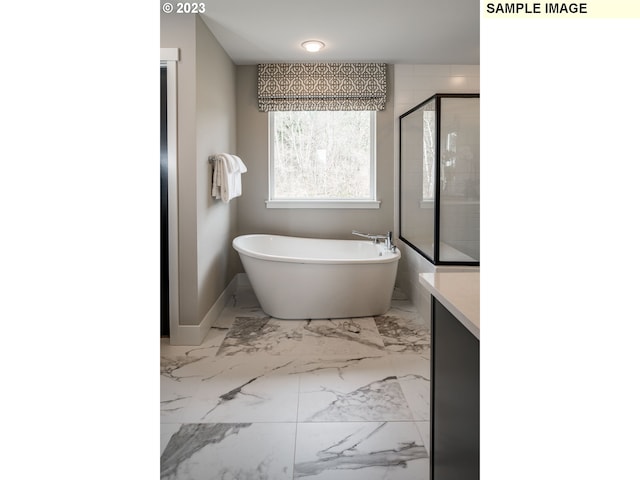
360 203
322 203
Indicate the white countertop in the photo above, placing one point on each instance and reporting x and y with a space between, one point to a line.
459 292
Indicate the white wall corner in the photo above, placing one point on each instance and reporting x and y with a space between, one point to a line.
195 334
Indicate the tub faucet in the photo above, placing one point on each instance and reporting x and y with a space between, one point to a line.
388 239
388 242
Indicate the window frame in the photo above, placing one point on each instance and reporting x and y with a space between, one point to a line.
367 203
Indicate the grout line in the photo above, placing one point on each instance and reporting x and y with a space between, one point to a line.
295 437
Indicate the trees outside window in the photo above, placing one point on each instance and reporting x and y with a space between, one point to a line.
322 155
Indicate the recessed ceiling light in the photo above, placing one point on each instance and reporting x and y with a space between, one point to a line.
313 45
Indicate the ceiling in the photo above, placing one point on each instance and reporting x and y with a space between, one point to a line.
389 31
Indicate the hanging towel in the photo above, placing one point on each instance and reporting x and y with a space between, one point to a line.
226 182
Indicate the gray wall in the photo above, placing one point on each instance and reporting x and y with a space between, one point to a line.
206 125
253 148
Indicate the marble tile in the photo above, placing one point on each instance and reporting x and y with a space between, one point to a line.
413 373
166 432
360 451
351 389
208 348
175 398
227 317
424 428
248 335
359 388
356 336
398 295
229 451
402 306
402 334
262 389
244 298
243 303
180 379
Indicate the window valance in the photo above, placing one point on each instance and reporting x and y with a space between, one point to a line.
322 86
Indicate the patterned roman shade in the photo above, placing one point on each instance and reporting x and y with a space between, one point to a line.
322 86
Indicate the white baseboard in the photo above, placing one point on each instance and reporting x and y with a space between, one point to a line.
195 334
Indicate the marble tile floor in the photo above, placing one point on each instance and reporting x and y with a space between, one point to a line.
263 398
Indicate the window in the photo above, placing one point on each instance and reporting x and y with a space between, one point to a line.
322 159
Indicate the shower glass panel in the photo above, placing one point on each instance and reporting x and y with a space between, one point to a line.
418 177
459 180
440 179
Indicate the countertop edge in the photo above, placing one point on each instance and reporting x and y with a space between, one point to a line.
428 280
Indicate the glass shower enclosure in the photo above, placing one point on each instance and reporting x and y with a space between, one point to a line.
440 179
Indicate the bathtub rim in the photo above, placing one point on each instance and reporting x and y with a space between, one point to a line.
385 257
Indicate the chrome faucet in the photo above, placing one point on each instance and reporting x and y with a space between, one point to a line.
388 239
388 242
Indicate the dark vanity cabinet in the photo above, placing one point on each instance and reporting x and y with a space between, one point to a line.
455 398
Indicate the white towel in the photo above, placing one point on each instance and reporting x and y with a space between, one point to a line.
226 182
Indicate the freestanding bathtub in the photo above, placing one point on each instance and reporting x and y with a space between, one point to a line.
307 278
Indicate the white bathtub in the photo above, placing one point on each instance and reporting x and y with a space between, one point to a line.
303 278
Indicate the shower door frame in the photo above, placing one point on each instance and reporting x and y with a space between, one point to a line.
436 230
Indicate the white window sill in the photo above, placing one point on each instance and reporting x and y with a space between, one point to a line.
322 204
